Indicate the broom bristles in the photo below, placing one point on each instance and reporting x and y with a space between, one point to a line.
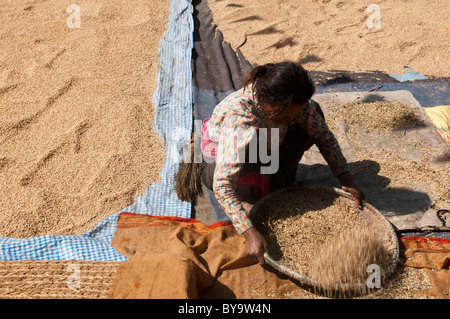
187 180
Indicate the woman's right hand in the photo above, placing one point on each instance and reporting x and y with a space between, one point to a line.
255 245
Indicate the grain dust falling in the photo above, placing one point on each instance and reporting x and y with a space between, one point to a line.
321 237
343 264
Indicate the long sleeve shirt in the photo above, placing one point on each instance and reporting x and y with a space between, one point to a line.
234 123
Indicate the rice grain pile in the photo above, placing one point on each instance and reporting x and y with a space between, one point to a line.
320 237
380 115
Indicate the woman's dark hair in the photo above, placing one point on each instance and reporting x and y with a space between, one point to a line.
280 84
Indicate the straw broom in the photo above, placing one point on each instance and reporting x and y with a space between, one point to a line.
187 180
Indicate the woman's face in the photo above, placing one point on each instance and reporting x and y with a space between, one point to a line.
286 116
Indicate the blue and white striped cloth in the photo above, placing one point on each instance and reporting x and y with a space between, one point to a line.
173 122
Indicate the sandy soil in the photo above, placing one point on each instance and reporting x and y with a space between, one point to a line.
340 35
76 112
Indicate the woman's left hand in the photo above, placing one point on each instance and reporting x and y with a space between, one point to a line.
349 186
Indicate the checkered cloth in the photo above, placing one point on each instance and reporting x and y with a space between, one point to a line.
173 122
93 245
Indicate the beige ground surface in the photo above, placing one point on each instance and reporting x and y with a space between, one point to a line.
340 35
76 141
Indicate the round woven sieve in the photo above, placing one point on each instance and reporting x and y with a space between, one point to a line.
379 222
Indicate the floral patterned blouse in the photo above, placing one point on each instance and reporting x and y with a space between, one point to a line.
234 122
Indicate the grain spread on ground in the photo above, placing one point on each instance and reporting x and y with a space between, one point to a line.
335 35
76 113
377 131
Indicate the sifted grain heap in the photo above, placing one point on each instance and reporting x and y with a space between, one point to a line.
320 237
380 115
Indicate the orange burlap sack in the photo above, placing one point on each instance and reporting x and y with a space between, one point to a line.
182 258
432 254
173 258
